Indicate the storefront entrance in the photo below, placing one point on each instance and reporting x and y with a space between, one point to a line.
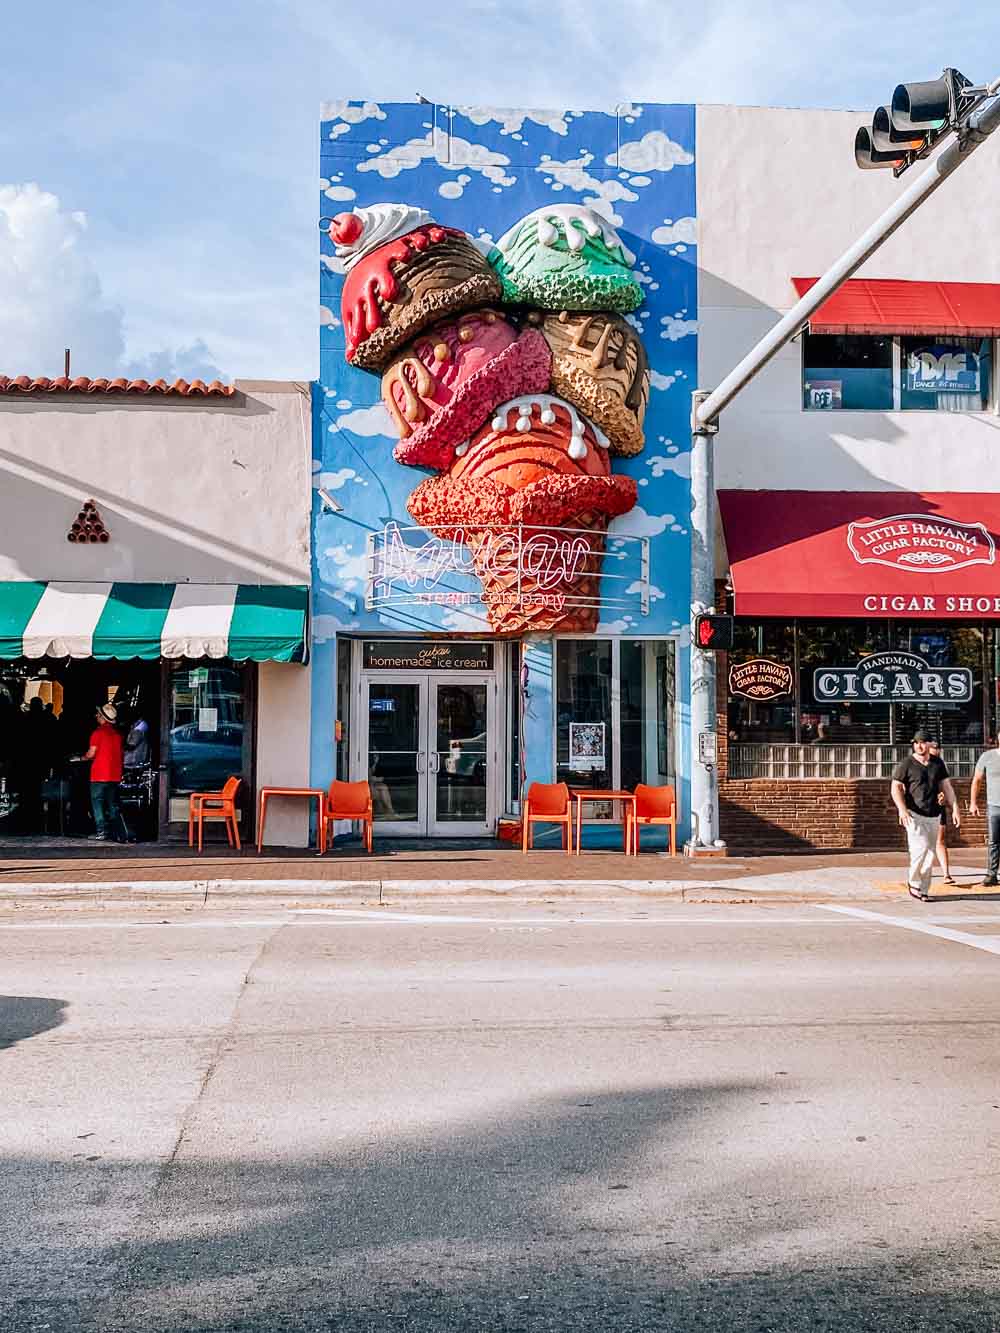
430 741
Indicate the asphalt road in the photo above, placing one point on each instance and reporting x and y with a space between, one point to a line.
722 1117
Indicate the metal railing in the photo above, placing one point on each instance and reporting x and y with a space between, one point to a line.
812 762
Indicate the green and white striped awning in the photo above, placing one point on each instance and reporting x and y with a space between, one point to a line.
262 622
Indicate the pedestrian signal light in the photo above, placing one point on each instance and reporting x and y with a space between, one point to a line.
713 633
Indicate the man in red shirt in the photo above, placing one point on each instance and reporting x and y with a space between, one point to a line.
106 762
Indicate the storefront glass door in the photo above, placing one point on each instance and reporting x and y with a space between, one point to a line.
430 752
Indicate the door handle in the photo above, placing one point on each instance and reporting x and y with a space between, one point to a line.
420 761
435 762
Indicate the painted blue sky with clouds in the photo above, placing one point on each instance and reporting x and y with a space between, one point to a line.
158 161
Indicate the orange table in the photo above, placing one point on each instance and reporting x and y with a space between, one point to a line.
308 792
582 795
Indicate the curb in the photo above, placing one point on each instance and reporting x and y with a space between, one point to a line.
232 892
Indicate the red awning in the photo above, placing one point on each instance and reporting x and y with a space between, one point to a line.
889 305
837 554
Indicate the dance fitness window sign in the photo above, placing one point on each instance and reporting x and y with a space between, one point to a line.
892 678
760 679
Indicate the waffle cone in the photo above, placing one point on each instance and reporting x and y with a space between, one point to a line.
519 601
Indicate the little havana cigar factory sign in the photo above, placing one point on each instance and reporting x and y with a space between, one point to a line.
898 677
760 679
921 542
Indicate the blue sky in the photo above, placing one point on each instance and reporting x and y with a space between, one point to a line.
158 162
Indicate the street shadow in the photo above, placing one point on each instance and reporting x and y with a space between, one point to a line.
25 1016
586 1211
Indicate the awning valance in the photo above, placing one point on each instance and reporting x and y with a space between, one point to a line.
892 305
836 554
260 622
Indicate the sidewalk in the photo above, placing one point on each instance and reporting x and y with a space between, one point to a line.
407 871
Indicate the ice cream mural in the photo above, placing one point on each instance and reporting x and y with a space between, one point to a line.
515 378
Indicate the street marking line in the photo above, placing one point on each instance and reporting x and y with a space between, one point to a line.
988 943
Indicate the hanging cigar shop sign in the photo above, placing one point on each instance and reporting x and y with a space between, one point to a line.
760 679
892 678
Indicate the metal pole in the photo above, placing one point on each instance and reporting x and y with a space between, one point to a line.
706 407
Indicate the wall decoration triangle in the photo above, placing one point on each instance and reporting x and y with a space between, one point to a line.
88 526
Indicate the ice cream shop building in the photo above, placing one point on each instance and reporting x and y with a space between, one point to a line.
501 496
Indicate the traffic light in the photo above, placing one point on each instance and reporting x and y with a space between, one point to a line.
918 117
713 634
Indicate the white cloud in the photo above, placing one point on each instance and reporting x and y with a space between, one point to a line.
637 523
511 121
454 189
624 626
352 566
51 298
374 420
682 232
573 175
334 264
326 627
333 481
346 115
655 151
674 328
461 154
659 381
655 594
327 318
680 464
339 192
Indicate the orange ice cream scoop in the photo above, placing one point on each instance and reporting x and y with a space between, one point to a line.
532 438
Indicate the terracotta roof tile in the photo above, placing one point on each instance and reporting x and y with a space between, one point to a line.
81 384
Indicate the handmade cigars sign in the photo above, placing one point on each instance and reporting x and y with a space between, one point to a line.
760 679
892 677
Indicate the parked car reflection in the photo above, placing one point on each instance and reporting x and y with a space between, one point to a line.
202 760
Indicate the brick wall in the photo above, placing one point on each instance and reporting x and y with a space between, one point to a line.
847 814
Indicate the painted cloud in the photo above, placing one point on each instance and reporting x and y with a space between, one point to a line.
655 151
461 154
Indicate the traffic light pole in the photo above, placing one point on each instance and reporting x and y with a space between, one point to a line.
706 407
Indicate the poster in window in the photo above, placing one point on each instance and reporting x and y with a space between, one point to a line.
942 368
586 747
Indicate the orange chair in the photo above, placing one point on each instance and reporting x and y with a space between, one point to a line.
547 803
215 805
653 805
349 800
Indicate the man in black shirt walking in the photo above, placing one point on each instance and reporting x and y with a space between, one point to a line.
917 782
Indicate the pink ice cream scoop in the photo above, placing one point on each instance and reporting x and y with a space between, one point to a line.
448 381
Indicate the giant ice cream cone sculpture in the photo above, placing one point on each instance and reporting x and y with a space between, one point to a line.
525 477
531 495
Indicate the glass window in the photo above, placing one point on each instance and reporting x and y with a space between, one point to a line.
944 645
839 644
583 712
646 694
771 720
945 374
846 372
206 726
